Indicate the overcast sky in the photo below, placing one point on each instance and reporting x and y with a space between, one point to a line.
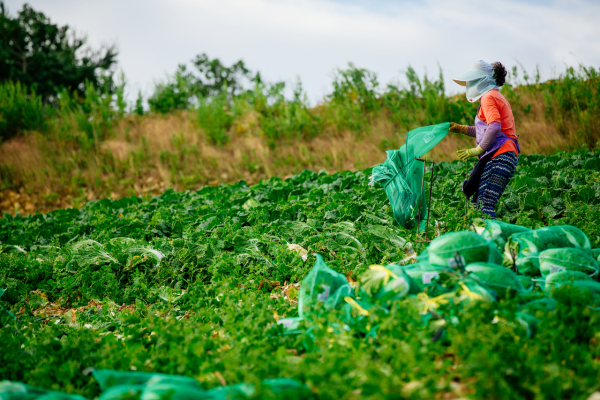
285 39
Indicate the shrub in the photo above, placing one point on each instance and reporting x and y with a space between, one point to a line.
20 109
214 117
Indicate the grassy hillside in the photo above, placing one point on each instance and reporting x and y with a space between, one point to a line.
85 149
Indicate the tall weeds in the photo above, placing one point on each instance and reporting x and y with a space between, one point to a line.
573 104
20 109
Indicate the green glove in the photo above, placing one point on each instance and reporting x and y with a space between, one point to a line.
468 153
454 127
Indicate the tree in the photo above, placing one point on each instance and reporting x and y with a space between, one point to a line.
46 56
215 77
211 80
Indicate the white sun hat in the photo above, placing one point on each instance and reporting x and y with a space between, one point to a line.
479 70
479 80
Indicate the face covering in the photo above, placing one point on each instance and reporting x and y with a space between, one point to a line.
478 87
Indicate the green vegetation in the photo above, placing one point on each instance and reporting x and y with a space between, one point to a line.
38 62
20 108
192 283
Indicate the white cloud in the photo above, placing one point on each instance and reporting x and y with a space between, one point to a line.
310 38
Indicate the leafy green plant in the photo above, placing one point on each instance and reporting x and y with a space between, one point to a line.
175 94
20 109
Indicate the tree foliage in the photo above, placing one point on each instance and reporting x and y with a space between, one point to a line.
40 54
208 79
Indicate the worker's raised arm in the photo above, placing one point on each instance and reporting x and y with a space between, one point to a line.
464 129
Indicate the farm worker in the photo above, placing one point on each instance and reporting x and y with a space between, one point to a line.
497 143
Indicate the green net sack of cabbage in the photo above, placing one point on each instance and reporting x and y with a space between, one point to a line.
596 254
560 277
522 249
526 281
127 385
501 281
20 391
108 378
496 231
154 391
291 325
281 388
385 284
121 385
471 291
285 388
567 259
458 249
422 274
355 309
323 285
427 277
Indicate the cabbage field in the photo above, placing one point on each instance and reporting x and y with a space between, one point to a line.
208 285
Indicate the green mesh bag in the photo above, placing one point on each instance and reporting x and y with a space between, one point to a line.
236 391
283 388
560 277
172 391
523 249
422 274
290 388
467 246
596 254
526 281
567 259
476 292
322 284
495 230
122 392
291 325
495 256
401 174
20 391
384 284
425 138
500 280
107 378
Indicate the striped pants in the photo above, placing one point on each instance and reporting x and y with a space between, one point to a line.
496 175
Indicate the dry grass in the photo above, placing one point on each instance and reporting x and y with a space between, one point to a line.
148 154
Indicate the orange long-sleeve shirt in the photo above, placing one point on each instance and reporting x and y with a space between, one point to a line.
495 108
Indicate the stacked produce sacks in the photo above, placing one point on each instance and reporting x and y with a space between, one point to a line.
125 385
492 261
